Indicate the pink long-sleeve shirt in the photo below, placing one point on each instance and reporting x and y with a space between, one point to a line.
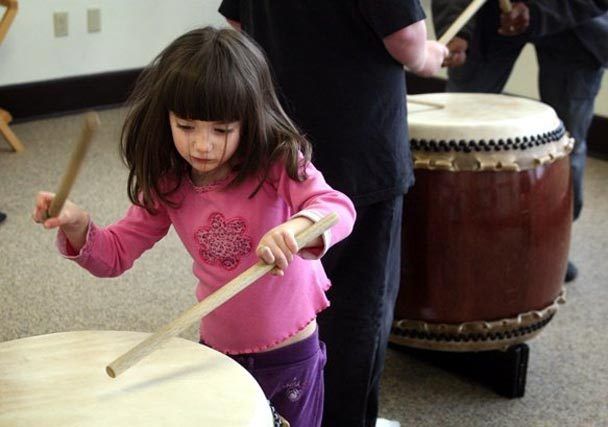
220 226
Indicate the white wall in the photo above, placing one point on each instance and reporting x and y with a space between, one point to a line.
132 33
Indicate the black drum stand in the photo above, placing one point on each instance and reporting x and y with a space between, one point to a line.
503 371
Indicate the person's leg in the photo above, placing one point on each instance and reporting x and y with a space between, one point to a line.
292 379
364 270
569 80
483 74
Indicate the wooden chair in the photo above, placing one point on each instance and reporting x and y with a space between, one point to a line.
5 118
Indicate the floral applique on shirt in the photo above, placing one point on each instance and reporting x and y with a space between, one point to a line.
222 242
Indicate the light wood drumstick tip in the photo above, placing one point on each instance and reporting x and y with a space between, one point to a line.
110 372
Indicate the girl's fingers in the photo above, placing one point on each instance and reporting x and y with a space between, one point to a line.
265 254
277 272
283 247
51 223
43 202
280 260
292 245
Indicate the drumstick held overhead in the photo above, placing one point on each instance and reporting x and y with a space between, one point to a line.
211 302
91 123
461 21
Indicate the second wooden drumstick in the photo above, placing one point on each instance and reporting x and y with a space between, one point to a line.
91 122
461 21
214 300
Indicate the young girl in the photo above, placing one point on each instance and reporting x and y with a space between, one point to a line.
211 152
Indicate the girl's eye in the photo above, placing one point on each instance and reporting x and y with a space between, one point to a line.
223 130
185 126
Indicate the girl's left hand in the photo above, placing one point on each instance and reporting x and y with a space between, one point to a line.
278 246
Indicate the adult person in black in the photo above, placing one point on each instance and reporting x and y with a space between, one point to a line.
571 42
2 217
339 68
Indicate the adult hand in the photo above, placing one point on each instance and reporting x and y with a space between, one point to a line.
458 52
516 21
435 55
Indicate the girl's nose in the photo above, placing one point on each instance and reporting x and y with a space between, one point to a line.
202 143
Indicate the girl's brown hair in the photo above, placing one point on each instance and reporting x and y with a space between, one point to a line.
212 75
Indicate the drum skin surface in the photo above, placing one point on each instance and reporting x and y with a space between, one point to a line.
486 227
60 380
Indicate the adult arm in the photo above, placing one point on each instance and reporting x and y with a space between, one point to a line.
401 27
230 10
410 47
553 16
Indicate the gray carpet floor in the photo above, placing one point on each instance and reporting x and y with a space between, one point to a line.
40 293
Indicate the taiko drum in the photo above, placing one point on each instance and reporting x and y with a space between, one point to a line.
487 225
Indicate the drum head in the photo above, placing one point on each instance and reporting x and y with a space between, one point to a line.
484 132
60 380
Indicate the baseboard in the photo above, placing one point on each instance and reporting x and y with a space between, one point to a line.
60 96
52 97
597 137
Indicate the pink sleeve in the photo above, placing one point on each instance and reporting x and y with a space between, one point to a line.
313 198
110 251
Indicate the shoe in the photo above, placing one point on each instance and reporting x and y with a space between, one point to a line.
571 272
381 422
2 216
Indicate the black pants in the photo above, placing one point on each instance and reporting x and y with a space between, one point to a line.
365 273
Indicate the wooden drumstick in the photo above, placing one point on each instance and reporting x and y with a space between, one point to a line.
213 301
91 122
461 21
505 6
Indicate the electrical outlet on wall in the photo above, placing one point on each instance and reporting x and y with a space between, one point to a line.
60 24
93 20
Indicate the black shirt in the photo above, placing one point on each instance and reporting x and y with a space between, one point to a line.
340 85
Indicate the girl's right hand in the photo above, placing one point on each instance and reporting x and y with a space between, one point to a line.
72 220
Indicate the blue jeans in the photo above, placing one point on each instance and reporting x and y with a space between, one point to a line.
569 80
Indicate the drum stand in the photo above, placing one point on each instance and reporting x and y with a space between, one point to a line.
503 371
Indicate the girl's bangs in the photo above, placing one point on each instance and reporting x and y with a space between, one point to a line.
198 93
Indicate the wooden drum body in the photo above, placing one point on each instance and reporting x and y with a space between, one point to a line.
60 380
487 224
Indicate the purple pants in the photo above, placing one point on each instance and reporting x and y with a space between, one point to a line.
292 379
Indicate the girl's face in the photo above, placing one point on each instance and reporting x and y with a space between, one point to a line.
206 146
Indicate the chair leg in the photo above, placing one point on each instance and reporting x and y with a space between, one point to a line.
8 134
